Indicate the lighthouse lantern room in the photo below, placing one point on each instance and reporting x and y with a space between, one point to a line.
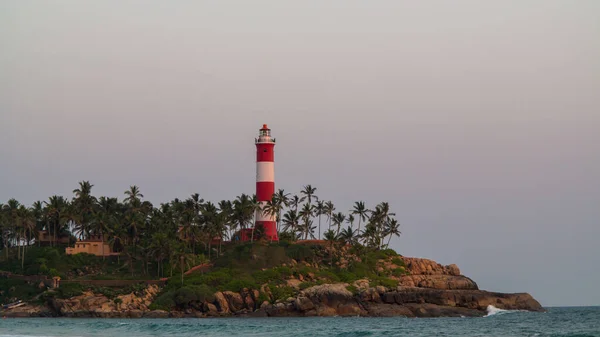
265 181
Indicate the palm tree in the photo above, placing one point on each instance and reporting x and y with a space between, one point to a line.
392 229
348 236
331 238
338 220
272 208
135 213
37 210
84 206
26 222
309 192
350 220
209 222
329 209
291 221
360 211
182 258
57 214
254 206
133 195
106 217
296 201
11 215
226 210
320 210
197 202
282 200
242 213
306 214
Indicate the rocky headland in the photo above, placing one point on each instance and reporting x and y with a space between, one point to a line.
425 289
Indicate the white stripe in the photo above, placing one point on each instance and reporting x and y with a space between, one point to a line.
265 171
262 216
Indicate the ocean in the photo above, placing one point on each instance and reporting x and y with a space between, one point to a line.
571 322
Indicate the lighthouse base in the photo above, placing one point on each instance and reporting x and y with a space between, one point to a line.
267 230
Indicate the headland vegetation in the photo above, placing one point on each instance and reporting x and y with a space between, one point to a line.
93 256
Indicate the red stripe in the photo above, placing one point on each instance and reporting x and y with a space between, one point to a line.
270 228
265 190
265 152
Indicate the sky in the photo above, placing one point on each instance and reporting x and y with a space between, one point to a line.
478 121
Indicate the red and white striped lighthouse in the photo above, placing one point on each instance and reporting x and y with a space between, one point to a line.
265 180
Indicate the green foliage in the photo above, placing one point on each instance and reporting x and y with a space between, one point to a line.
328 275
346 276
250 257
191 296
262 297
383 281
67 290
273 274
300 252
399 272
165 301
352 289
287 237
238 284
282 293
398 261
11 289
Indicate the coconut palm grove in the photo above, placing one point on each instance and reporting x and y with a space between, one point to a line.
167 241
191 225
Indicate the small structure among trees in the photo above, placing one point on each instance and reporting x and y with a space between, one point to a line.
94 245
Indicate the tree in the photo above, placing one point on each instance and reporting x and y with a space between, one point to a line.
282 200
331 239
348 236
106 218
306 214
272 208
296 201
329 209
350 220
57 214
84 208
133 195
11 220
27 225
338 220
291 221
360 211
309 192
392 229
320 210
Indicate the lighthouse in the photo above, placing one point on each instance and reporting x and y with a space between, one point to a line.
265 181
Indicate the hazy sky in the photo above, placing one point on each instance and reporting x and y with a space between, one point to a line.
479 121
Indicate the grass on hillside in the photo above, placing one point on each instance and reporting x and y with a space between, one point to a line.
241 266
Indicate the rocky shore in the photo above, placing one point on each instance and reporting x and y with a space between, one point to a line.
429 290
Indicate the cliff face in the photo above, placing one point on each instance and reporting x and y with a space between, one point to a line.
429 290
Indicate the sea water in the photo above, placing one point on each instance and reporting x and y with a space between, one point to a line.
571 322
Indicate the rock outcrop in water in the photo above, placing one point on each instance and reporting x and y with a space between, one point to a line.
429 290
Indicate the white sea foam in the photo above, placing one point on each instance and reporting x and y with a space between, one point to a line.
492 310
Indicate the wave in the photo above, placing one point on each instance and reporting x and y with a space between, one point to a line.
492 310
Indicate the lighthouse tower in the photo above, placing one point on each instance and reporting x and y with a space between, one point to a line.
265 181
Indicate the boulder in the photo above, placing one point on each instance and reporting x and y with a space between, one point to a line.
235 301
221 303
211 309
303 304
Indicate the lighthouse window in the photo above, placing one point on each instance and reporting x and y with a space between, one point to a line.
265 150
